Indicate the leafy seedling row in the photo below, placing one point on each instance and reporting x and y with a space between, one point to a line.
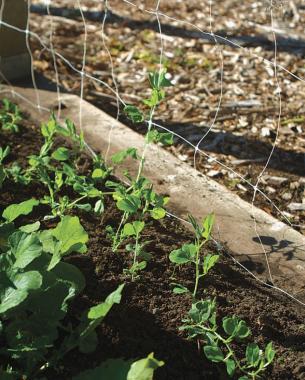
37 285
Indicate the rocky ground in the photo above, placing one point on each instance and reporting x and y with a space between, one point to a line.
228 98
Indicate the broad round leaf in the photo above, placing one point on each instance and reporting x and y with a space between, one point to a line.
213 353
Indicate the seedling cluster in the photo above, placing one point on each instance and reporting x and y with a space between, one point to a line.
37 285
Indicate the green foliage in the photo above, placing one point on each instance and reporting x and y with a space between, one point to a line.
13 211
191 253
134 114
119 157
119 369
165 138
218 343
10 116
35 293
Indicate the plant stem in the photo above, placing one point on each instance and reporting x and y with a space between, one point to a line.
135 255
116 238
151 114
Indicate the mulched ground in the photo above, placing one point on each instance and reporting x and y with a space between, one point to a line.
148 318
246 128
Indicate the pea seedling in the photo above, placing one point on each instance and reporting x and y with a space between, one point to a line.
10 116
191 253
134 229
202 324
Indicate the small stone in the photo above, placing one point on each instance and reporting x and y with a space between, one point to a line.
286 196
275 181
265 132
294 185
270 190
296 206
182 157
213 173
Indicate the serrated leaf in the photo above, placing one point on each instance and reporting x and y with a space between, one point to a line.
24 208
143 369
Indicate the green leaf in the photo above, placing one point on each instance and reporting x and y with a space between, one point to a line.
61 154
99 207
84 206
213 353
230 365
111 369
183 255
144 369
208 262
202 311
17 291
196 227
119 157
230 324
99 174
207 225
269 353
133 229
29 228
101 310
134 113
158 213
129 204
242 330
157 79
25 248
24 208
253 354
70 233
179 289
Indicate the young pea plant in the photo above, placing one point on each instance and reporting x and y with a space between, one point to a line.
201 324
138 199
137 195
158 82
10 116
191 253
134 230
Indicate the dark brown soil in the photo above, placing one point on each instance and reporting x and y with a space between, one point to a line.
148 318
